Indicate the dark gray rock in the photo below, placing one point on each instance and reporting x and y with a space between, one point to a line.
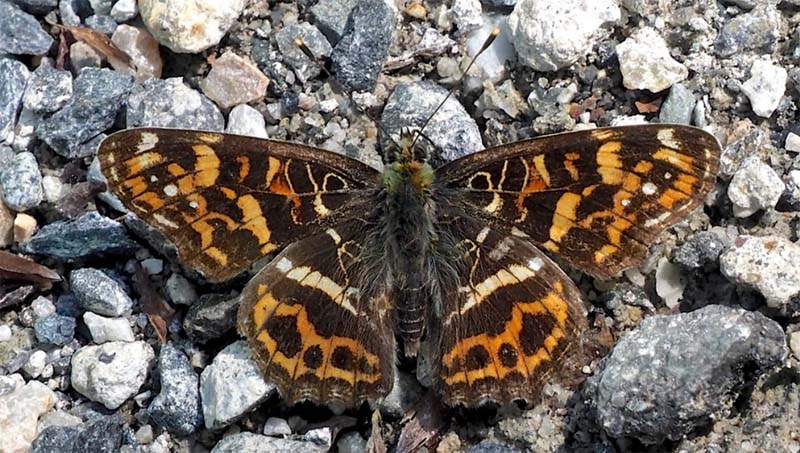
704 248
13 78
99 293
331 17
21 33
39 7
177 408
499 3
358 57
170 103
103 435
757 30
71 12
48 89
102 23
452 130
21 182
492 446
212 316
294 57
56 439
90 235
55 329
678 106
99 94
676 373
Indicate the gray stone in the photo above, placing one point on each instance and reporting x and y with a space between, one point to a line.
331 17
351 442
646 64
702 249
89 235
124 10
678 106
105 329
754 186
276 427
101 435
170 103
467 15
358 57
21 182
102 23
99 293
180 290
48 89
55 329
101 6
177 408
99 94
231 386
13 78
38 7
255 443
294 57
491 446
768 264
21 342
112 372
757 30
21 33
70 12
452 130
676 373
55 438
211 317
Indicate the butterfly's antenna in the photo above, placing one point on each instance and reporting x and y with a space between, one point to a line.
308 53
489 40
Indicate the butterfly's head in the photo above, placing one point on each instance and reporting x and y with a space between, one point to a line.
409 166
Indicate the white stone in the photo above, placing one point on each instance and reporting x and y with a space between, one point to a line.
231 386
53 188
646 64
190 26
5 332
245 120
754 186
124 10
792 142
180 290
670 283
552 34
111 373
42 307
105 329
276 427
143 50
765 87
19 412
35 364
768 264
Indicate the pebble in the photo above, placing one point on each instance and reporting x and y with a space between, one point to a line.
143 49
87 236
48 89
234 80
754 186
101 6
82 55
13 78
678 106
190 26
104 24
211 317
101 435
321 437
303 67
55 439
330 17
276 427
35 364
180 290
99 293
452 129
701 249
231 386
42 307
170 103
68 11
177 408
646 63
5 333
765 87
245 120
255 443
55 329
19 411
357 59
675 372
768 264
99 94
21 182
21 33
467 15
351 442
504 98
105 329
15 349
758 30
792 142
124 10
553 34
111 373
153 266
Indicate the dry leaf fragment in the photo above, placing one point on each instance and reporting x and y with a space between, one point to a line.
375 443
17 268
100 42
154 306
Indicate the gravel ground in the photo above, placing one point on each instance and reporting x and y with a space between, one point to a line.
114 346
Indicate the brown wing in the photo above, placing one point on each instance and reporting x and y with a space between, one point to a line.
508 324
319 327
228 200
598 198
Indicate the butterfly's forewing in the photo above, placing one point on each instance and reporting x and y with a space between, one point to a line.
597 198
319 328
226 200
508 323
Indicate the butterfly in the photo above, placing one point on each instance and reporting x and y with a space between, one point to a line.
449 263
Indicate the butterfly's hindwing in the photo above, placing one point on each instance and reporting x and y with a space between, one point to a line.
225 200
316 331
507 323
598 198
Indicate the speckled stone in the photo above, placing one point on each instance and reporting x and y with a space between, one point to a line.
48 89
21 33
768 264
21 182
99 293
170 103
13 78
177 408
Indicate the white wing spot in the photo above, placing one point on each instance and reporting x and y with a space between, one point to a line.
153 178
649 188
193 204
147 141
170 190
482 235
165 221
667 175
626 202
334 235
284 265
667 138
535 264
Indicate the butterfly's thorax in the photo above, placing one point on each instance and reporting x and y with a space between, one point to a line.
410 238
